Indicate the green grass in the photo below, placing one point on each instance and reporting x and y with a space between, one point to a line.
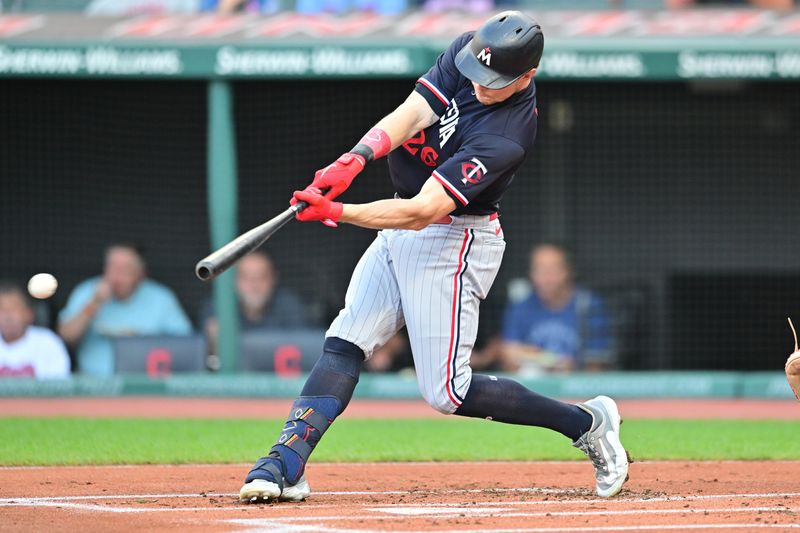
74 441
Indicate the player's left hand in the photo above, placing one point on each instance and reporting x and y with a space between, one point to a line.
337 177
319 207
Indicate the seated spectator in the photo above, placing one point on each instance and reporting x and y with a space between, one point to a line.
240 6
27 350
122 302
558 327
262 303
119 8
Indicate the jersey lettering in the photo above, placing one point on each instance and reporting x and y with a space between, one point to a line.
412 145
448 123
428 155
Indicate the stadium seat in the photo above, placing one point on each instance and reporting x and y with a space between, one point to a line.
159 355
285 352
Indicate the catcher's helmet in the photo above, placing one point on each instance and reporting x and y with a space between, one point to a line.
507 46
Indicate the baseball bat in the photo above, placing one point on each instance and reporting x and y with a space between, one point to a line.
221 260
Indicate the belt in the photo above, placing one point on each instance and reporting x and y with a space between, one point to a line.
448 219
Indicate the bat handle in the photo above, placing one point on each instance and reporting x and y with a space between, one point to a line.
299 206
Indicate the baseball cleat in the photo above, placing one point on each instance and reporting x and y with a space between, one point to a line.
261 490
603 447
265 482
297 492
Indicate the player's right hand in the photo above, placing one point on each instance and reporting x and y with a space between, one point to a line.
319 207
337 177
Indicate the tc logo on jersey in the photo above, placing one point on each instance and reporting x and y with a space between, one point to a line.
473 171
485 55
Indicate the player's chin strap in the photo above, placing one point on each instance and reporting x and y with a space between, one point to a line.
310 417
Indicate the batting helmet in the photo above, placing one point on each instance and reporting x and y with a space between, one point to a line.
507 46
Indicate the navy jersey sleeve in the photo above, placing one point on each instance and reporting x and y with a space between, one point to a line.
479 162
440 83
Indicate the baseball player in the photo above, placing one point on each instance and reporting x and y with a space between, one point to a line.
453 146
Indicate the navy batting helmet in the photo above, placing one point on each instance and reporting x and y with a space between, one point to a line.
507 46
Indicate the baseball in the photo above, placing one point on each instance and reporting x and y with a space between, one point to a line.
42 286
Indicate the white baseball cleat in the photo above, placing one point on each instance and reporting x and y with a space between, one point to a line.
603 447
297 492
261 490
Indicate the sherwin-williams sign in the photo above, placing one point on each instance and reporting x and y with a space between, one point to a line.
100 61
225 61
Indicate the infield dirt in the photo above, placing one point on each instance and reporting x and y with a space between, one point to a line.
491 496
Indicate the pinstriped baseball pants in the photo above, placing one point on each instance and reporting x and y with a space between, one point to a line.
432 281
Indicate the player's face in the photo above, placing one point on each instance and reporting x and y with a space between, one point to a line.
15 316
255 281
488 96
123 272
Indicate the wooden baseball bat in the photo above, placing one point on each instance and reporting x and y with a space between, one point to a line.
221 260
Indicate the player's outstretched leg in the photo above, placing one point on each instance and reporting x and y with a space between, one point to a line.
326 393
592 426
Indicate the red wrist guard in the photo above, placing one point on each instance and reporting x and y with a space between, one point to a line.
374 145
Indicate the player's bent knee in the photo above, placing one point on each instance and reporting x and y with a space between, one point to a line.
443 405
341 356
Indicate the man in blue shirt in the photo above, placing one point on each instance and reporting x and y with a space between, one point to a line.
263 303
558 326
120 303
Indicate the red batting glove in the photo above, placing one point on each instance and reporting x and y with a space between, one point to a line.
338 176
319 207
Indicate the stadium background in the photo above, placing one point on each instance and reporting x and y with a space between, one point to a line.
667 158
677 196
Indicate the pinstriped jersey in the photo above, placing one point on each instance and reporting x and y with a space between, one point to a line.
473 150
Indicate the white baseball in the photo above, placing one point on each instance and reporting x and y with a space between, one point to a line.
42 286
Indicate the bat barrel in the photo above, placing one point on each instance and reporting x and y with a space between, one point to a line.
205 270
218 262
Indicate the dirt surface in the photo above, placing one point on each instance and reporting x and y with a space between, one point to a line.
464 497
160 407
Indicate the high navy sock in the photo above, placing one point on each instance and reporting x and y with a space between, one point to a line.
336 372
505 400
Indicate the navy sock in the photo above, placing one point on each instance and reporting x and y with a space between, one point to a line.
336 372
505 400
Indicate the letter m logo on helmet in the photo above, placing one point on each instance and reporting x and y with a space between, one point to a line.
485 55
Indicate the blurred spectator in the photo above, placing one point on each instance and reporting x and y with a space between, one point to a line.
117 8
558 327
262 303
240 6
470 6
121 303
383 7
27 350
